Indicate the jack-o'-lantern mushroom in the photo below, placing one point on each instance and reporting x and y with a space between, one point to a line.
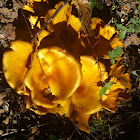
68 68
87 95
15 63
75 114
55 69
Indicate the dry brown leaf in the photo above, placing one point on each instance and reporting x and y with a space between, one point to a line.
133 39
6 121
2 95
85 16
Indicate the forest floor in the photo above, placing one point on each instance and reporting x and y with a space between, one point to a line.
16 122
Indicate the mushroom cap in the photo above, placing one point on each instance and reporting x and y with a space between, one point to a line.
74 22
62 108
15 63
74 113
116 42
37 109
62 71
36 82
87 96
55 69
80 118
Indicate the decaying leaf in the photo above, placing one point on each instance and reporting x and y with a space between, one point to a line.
85 12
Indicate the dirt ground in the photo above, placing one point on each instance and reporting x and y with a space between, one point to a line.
16 122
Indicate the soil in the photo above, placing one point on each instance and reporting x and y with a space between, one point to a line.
16 122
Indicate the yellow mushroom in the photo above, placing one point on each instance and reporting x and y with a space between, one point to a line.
61 76
29 6
120 88
62 71
15 63
117 71
37 109
87 96
55 69
80 119
62 108
75 114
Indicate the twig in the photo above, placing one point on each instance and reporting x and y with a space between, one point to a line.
85 16
37 34
48 21
49 90
27 23
110 131
13 132
88 31
93 136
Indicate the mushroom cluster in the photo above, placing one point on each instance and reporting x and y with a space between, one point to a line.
67 70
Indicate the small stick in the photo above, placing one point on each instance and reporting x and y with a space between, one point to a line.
27 23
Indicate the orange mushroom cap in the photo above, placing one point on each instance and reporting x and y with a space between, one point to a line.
55 69
80 119
75 114
87 96
14 63
29 6
74 22
62 108
37 109
116 42
62 71
117 92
